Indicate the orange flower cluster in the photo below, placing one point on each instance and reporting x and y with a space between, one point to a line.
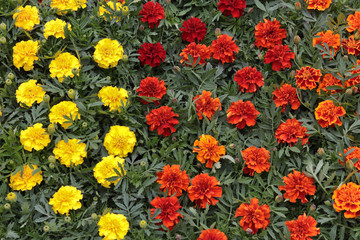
151 87
280 56
206 105
297 185
351 45
173 180
320 5
208 150
269 34
329 80
224 49
303 228
212 234
285 95
169 207
256 160
242 113
355 80
353 22
254 216
347 198
355 154
290 132
307 77
163 120
249 79
328 114
195 51
331 39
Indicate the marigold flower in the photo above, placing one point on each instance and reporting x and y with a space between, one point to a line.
254 216
249 79
355 80
56 28
329 80
163 120
151 87
285 95
152 54
195 51
29 92
103 10
256 160
26 17
280 56
169 207
208 150
353 22
331 39
354 155
113 226
173 180
213 234
63 6
113 97
307 77
297 185
65 199
105 169
108 53
320 5
24 54
11 196
62 66
204 189
351 45
206 105
34 137
26 178
232 7
269 34
64 108
347 198
303 228
290 132
70 153
193 30
119 141
242 113
224 49
152 13
328 114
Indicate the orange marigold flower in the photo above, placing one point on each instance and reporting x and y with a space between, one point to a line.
208 150
206 105
224 49
327 114
307 77
173 180
353 22
249 79
355 80
212 234
280 56
297 185
269 34
151 87
351 45
290 132
254 216
329 80
285 95
354 155
347 198
303 228
195 51
320 5
256 160
169 214
204 189
242 113
163 120
331 39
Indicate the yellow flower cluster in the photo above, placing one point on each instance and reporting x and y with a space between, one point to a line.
24 54
29 92
64 108
65 199
113 97
72 5
70 153
105 169
26 17
103 11
56 28
113 226
119 141
108 53
25 179
63 65
34 138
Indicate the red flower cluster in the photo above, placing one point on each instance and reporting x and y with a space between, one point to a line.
307 77
206 105
193 29
355 80
280 56
328 114
173 180
303 228
353 22
256 160
152 54
169 207
351 45
163 120
151 87
242 113
195 51
269 34
285 95
329 80
331 39
152 13
347 198
212 234
249 79
232 7
224 48
290 132
354 155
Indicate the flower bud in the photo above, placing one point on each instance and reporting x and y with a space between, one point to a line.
46 98
7 206
279 198
95 199
43 41
75 71
108 78
313 207
297 39
348 92
217 32
178 237
67 219
357 36
141 28
346 57
321 151
51 128
174 139
177 69
94 216
174 100
260 56
355 90
292 73
84 124
297 6
71 94
52 159
125 10
125 58
46 228
349 165
167 1
11 76
2 40
237 160
250 10
249 231
143 163
11 197
8 82
198 165
143 224
232 146
328 203
51 165
3 26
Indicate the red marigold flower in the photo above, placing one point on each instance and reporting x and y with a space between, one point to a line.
329 80
195 51
347 198
297 185
331 39
204 189
355 80
269 34
232 7
193 29
290 132
256 160
303 228
354 155
168 206
327 114
212 234
206 105
208 150
152 13
285 95
249 79
254 216
163 120
351 45
353 22
242 113
307 77
320 5
151 87
151 54
224 48
280 56
173 180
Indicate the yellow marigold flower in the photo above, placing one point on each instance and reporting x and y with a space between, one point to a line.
103 11
64 108
11 196
25 179
55 28
66 199
108 53
105 169
24 54
119 141
34 137
26 17
29 92
63 65
113 226
113 97
72 5
71 152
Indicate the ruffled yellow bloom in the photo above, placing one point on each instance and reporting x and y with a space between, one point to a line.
70 153
65 199
11 196
119 141
63 65
113 97
29 92
64 108
103 11
34 137
26 17
113 226
105 169
56 28
27 180
24 54
64 5
108 53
